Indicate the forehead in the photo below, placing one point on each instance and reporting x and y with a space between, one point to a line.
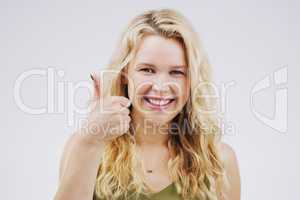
160 51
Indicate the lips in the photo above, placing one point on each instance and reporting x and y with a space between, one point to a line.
158 102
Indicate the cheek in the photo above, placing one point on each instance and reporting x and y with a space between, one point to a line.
182 86
136 87
184 91
187 87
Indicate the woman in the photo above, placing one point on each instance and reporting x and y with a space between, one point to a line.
151 133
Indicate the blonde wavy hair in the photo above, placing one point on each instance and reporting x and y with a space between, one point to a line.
194 143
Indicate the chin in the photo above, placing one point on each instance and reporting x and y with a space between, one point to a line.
158 119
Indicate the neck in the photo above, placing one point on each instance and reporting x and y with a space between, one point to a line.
148 132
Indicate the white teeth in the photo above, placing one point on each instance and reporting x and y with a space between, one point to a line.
159 102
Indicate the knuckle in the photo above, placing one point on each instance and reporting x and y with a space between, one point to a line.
128 118
125 111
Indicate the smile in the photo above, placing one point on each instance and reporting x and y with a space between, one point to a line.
158 103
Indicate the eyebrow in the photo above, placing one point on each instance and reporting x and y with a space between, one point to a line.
152 65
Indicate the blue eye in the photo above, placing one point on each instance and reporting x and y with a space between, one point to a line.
179 72
148 70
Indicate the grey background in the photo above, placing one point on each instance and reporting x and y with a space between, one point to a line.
245 41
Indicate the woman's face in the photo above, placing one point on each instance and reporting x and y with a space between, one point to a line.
158 84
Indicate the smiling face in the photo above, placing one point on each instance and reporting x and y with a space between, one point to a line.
158 84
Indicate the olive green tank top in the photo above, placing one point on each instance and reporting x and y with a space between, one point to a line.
168 193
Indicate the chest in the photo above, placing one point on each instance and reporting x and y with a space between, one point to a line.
155 170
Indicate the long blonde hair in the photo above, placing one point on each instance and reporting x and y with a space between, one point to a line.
194 145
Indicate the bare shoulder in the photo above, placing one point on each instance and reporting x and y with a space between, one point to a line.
232 172
228 154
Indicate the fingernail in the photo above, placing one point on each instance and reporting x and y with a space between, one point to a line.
92 77
129 103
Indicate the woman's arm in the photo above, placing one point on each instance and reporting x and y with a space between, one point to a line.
82 153
78 169
233 191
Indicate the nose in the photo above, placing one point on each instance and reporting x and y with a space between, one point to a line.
161 85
